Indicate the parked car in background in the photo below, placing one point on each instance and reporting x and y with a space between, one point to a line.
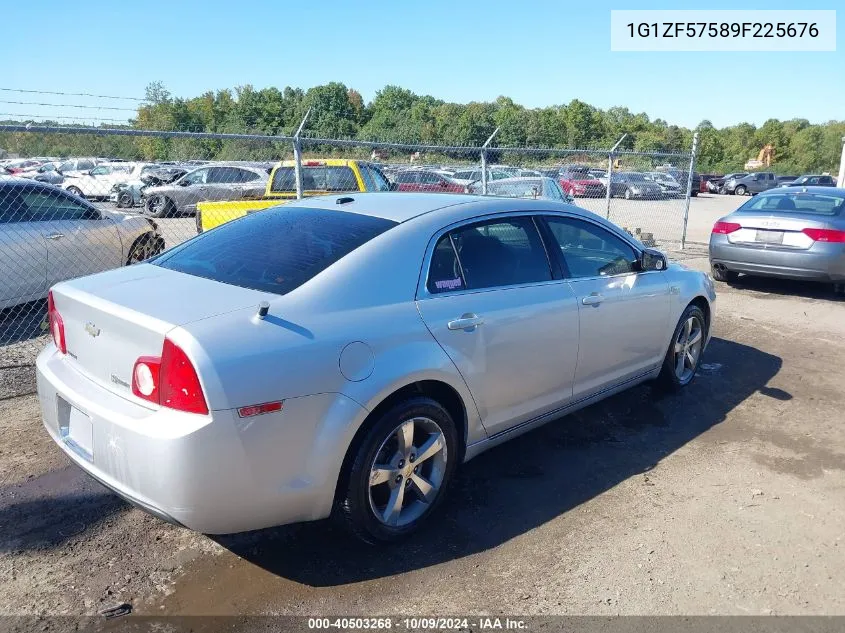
717 185
786 181
224 181
269 372
705 182
97 182
794 233
634 185
319 176
578 182
422 180
670 187
535 188
469 176
683 176
811 180
751 184
49 235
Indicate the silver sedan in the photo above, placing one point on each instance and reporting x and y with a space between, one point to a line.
342 355
791 232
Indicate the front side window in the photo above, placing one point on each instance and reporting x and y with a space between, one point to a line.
501 253
406 177
589 250
315 178
198 177
428 178
276 250
47 206
100 171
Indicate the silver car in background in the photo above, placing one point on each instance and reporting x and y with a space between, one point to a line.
792 232
537 188
220 181
48 235
341 355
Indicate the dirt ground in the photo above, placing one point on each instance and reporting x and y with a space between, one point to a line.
726 499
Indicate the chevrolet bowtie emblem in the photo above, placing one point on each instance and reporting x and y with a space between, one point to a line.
92 329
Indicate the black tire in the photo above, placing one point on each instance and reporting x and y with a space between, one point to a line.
354 508
160 206
740 190
124 200
143 248
694 194
839 290
668 379
720 273
76 191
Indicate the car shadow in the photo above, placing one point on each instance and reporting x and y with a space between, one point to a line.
47 511
787 287
530 480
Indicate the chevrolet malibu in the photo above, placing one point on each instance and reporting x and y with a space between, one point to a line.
342 355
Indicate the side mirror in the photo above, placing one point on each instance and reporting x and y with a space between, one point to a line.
652 260
184 183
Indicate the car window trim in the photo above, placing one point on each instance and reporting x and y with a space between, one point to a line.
422 284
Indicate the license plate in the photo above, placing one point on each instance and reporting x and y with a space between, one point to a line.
77 430
769 237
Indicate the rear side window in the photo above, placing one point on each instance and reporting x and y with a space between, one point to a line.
315 178
380 181
444 273
276 250
501 253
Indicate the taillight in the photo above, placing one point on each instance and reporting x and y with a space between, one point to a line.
825 235
169 380
57 326
723 228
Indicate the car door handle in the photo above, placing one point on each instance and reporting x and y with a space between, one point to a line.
467 322
55 236
593 299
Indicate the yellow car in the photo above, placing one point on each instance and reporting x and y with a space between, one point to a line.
330 175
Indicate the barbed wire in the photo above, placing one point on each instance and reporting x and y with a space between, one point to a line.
45 117
69 105
70 94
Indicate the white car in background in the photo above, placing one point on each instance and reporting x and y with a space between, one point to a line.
97 183
48 236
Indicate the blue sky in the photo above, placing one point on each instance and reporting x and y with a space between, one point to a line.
539 53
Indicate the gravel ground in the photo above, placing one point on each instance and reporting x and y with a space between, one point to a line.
726 499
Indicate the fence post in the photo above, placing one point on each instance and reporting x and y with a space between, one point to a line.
484 162
297 155
689 188
610 173
840 180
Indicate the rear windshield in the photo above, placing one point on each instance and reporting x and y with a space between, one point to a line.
796 202
276 250
320 178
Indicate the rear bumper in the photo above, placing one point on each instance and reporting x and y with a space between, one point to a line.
215 474
821 262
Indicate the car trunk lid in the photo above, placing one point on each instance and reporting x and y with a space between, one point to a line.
113 318
773 230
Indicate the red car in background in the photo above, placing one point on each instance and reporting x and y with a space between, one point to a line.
422 180
577 181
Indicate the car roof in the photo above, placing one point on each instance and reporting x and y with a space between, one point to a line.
403 206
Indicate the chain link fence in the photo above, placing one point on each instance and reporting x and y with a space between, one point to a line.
63 217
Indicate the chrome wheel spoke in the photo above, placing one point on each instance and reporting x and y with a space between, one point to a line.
423 487
690 359
679 347
394 505
430 448
695 338
382 473
687 331
405 438
679 364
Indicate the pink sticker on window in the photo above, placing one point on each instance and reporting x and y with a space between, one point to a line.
448 284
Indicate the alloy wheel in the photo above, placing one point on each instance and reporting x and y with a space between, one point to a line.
688 349
408 471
